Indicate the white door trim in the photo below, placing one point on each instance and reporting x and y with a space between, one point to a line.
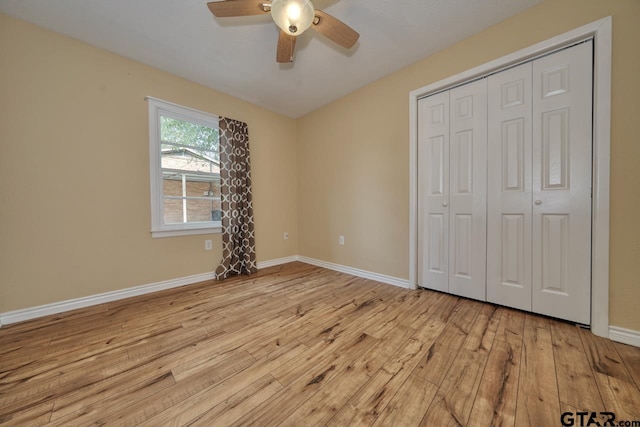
600 31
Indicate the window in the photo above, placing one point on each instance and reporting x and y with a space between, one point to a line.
185 170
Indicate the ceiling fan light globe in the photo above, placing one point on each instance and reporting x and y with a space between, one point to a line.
296 15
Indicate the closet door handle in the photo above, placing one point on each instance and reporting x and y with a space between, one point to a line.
445 204
538 202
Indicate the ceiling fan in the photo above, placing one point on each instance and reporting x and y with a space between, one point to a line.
293 17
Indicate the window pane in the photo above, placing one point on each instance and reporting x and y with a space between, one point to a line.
172 185
202 188
196 185
203 210
189 159
187 133
173 211
198 210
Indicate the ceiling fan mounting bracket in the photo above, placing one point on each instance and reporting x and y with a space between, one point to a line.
266 7
316 20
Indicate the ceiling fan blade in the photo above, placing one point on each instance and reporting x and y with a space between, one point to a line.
228 8
334 29
286 46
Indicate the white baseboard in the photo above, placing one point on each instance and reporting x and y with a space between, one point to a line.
73 304
83 302
625 336
390 280
278 261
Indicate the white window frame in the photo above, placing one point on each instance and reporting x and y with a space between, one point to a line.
159 228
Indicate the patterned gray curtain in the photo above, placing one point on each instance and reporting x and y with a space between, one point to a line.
238 238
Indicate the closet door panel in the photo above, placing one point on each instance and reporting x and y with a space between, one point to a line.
433 190
509 187
562 105
468 192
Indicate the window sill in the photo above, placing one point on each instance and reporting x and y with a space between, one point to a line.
185 232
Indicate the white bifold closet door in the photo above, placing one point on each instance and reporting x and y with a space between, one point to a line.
433 188
539 185
452 172
509 188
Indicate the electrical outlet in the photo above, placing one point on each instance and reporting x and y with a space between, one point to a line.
341 240
286 235
208 245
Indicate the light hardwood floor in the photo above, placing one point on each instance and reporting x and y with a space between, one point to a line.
298 345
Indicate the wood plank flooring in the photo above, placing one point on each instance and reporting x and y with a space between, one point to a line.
298 345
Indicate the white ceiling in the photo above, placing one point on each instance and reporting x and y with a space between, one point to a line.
237 55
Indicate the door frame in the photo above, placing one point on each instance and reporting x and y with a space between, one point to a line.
600 31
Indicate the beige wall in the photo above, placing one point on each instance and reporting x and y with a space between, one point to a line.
70 227
353 154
